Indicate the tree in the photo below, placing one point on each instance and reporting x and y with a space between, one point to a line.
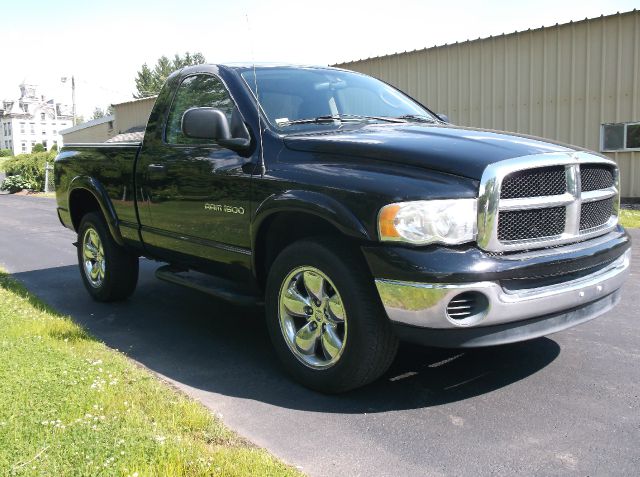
6 153
79 120
149 81
98 113
38 148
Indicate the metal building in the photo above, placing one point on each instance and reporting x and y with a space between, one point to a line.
578 83
126 124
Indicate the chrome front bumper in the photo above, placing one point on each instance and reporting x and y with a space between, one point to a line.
425 305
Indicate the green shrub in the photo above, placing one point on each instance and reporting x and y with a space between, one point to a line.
38 148
30 167
15 184
6 153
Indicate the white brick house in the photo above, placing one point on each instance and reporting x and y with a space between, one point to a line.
32 119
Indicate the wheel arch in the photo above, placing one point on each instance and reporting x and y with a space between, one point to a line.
87 195
277 225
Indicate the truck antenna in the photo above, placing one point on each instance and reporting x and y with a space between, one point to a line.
263 169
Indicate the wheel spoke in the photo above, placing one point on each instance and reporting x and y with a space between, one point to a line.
294 302
331 342
95 271
314 284
101 270
89 251
93 238
336 309
306 338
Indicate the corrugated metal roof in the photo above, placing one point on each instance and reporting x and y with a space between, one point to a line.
136 100
482 39
88 124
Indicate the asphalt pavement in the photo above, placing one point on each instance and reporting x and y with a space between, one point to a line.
567 404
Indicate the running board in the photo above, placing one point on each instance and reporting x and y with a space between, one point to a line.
214 286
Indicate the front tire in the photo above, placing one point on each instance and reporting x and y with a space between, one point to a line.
324 316
109 272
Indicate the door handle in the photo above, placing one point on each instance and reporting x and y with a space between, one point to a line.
156 167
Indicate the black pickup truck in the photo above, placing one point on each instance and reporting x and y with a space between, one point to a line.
355 214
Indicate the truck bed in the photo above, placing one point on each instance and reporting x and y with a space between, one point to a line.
110 165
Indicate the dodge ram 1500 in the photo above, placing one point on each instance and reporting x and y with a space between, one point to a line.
354 213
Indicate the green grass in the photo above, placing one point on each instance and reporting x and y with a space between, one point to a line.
71 406
630 218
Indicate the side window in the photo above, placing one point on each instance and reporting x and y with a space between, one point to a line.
196 92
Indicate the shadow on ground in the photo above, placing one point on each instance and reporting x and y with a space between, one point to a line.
211 345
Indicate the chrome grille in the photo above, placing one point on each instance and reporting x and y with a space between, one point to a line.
595 214
546 200
531 224
593 177
534 183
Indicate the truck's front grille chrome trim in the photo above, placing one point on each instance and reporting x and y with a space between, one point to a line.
536 202
529 232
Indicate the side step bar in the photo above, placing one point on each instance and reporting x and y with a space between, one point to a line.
214 286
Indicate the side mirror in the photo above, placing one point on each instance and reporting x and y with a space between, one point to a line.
444 117
210 123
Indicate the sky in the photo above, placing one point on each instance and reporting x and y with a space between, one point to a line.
103 44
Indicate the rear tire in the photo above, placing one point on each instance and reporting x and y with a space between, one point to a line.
336 337
109 272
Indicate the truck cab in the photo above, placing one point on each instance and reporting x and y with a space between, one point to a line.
354 214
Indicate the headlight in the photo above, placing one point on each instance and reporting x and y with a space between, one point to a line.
422 222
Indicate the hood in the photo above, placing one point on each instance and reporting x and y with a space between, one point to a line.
456 150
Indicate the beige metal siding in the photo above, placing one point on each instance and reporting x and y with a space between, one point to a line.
560 82
98 133
133 114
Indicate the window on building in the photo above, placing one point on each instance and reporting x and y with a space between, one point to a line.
22 125
44 132
33 128
24 147
42 116
620 137
55 132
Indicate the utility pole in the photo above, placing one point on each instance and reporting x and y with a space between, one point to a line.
73 95
73 98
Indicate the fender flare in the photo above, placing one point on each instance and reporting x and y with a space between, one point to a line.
96 189
313 203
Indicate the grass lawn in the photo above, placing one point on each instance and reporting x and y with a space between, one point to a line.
630 218
70 406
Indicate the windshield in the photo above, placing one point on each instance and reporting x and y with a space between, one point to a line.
288 95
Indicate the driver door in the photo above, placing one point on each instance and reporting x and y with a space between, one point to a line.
198 192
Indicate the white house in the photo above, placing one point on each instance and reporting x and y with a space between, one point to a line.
32 119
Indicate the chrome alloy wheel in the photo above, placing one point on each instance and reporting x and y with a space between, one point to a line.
312 317
93 258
